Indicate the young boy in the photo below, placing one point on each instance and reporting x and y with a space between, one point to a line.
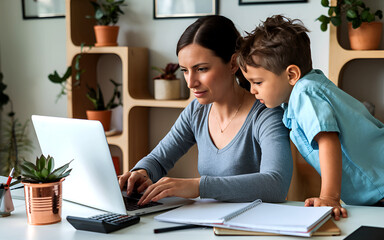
334 132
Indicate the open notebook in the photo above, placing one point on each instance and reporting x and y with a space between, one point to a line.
256 216
329 228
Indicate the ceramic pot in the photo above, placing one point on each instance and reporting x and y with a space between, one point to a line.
106 35
43 202
166 89
365 37
104 116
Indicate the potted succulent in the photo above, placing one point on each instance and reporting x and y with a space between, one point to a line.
166 84
107 13
103 112
43 189
364 32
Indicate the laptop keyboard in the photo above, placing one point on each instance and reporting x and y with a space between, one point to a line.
131 202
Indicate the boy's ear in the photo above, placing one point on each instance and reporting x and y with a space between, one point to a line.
294 74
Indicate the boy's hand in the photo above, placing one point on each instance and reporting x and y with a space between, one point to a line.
337 210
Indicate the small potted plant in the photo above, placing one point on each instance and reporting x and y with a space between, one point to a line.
107 13
364 32
166 84
43 189
103 112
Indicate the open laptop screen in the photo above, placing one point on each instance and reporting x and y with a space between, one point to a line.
93 181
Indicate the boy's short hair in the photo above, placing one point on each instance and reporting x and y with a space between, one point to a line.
275 44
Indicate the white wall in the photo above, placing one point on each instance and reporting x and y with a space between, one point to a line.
31 49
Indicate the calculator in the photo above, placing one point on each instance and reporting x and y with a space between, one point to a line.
103 223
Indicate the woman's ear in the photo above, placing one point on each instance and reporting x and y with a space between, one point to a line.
294 74
234 65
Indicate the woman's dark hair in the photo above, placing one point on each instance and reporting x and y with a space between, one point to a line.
216 33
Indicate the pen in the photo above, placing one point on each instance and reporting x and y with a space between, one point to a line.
10 177
16 188
169 229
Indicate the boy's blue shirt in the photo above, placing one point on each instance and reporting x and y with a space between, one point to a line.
317 105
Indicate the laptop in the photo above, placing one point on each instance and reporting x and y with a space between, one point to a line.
93 181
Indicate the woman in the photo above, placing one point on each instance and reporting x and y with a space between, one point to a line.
244 150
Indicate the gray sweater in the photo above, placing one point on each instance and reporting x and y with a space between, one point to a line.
256 164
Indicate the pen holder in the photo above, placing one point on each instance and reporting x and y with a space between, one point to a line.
6 204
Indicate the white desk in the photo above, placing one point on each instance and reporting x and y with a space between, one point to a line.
15 227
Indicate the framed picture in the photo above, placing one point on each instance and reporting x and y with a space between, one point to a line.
36 9
245 2
183 8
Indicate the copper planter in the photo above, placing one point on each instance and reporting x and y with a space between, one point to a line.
43 202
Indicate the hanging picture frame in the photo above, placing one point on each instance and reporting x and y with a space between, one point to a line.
165 9
246 2
36 9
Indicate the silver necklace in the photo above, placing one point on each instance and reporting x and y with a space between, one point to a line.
234 115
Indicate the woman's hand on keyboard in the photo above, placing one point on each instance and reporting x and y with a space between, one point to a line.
137 180
171 187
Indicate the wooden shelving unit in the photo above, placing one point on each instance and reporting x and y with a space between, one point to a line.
137 100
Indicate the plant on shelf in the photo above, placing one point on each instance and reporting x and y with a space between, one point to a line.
107 14
361 21
166 84
102 111
355 12
62 80
43 189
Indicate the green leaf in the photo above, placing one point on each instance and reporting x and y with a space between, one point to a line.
44 173
26 171
351 14
68 73
40 163
325 3
323 19
379 14
336 21
28 165
51 164
356 23
370 18
324 27
60 170
365 15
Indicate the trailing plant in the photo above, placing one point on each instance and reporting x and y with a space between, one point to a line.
14 140
43 170
62 80
107 12
97 98
355 11
168 73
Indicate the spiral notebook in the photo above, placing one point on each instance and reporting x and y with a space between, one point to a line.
256 216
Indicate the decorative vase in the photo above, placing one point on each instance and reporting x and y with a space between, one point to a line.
365 37
104 116
167 89
43 202
106 35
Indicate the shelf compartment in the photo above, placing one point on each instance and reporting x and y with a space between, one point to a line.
363 79
89 64
79 28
